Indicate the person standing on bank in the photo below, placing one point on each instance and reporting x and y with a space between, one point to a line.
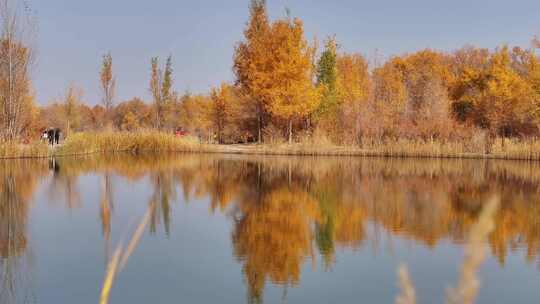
45 135
57 136
50 136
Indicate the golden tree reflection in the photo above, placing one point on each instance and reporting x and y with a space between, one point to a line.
106 206
164 192
273 237
285 211
18 181
64 183
282 208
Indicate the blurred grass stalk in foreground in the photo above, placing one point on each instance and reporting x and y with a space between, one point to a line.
120 257
475 254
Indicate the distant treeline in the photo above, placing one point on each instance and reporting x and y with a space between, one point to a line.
289 89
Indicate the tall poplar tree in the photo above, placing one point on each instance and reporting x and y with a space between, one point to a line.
251 61
274 67
71 108
327 77
160 88
221 108
108 86
291 91
16 58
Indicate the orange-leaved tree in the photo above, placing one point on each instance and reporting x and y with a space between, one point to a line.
389 98
353 86
291 93
252 61
221 109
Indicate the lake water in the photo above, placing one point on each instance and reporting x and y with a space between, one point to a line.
240 229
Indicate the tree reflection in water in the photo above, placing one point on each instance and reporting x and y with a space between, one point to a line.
18 180
289 211
64 184
282 208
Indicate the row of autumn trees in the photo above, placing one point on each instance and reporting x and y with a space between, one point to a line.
424 95
288 89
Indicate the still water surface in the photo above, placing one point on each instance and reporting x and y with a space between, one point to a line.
236 229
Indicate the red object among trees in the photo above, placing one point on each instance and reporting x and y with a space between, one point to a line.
180 132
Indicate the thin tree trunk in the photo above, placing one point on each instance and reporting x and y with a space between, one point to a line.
158 126
259 124
290 131
10 117
358 129
488 142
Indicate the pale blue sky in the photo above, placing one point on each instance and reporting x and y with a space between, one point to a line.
200 35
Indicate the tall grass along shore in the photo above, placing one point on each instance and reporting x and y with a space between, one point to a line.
102 142
154 141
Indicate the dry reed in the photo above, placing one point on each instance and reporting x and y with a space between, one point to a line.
475 254
120 258
112 270
404 148
408 294
87 143
155 141
15 150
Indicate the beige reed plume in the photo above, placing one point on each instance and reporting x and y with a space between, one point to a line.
408 294
120 257
475 254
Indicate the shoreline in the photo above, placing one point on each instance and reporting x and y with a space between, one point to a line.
281 150
344 151
81 144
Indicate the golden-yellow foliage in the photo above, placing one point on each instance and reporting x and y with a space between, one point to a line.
291 93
